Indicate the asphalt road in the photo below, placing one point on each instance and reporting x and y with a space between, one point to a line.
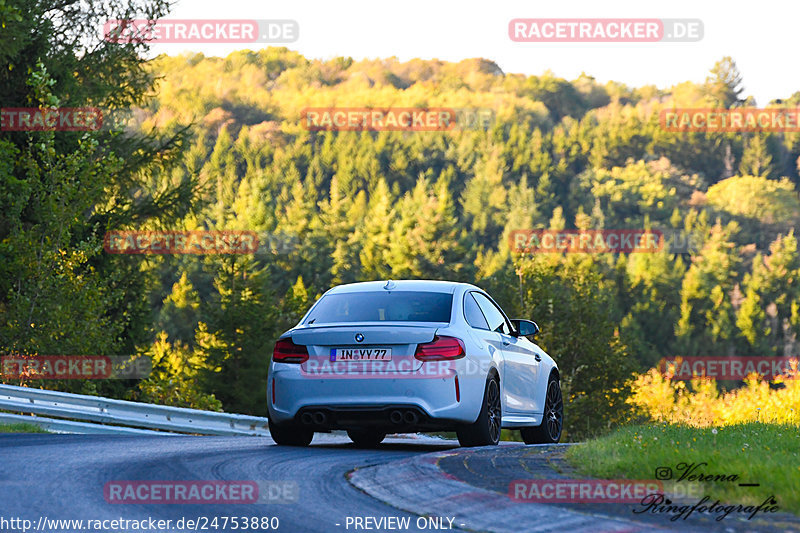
431 484
63 477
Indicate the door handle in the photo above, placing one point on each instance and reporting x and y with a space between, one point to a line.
538 357
506 343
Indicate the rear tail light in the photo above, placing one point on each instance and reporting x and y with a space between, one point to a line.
440 349
287 351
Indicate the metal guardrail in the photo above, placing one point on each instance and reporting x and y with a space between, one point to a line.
118 414
68 426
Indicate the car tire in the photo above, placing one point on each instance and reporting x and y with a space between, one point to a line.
549 431
290 435
485 431
365 438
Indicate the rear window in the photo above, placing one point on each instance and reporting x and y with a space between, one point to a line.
385 306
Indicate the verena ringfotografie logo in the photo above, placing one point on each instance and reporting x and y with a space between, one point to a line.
201 31
659 504
604 30
395 119
582 490
200 492
50 119
733 368
39 367
696 474
181 242
741 119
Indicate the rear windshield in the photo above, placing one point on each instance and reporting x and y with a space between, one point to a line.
385 306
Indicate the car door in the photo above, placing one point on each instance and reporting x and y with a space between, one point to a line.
480 330
521 361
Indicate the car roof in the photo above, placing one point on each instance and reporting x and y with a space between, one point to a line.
422 285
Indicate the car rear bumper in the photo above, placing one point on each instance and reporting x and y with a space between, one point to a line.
392 418
342 403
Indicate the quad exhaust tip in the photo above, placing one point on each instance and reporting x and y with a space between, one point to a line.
317 417
403 417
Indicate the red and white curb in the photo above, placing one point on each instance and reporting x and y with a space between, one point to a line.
419 486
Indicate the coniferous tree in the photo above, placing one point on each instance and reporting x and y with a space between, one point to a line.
756 159
180 313
772 292
723 87
707 317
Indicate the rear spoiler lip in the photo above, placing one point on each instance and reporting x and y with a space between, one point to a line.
434 327
324 325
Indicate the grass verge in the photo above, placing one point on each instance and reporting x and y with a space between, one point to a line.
20 428
754 452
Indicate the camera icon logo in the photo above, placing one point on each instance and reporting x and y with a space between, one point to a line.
663 472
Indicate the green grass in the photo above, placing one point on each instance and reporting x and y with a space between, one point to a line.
757 453
20 428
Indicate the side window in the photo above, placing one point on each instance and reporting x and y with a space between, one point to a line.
473 313
497 322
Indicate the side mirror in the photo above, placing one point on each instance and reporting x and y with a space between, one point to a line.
525 328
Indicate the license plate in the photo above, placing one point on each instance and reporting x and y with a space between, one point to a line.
361 354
